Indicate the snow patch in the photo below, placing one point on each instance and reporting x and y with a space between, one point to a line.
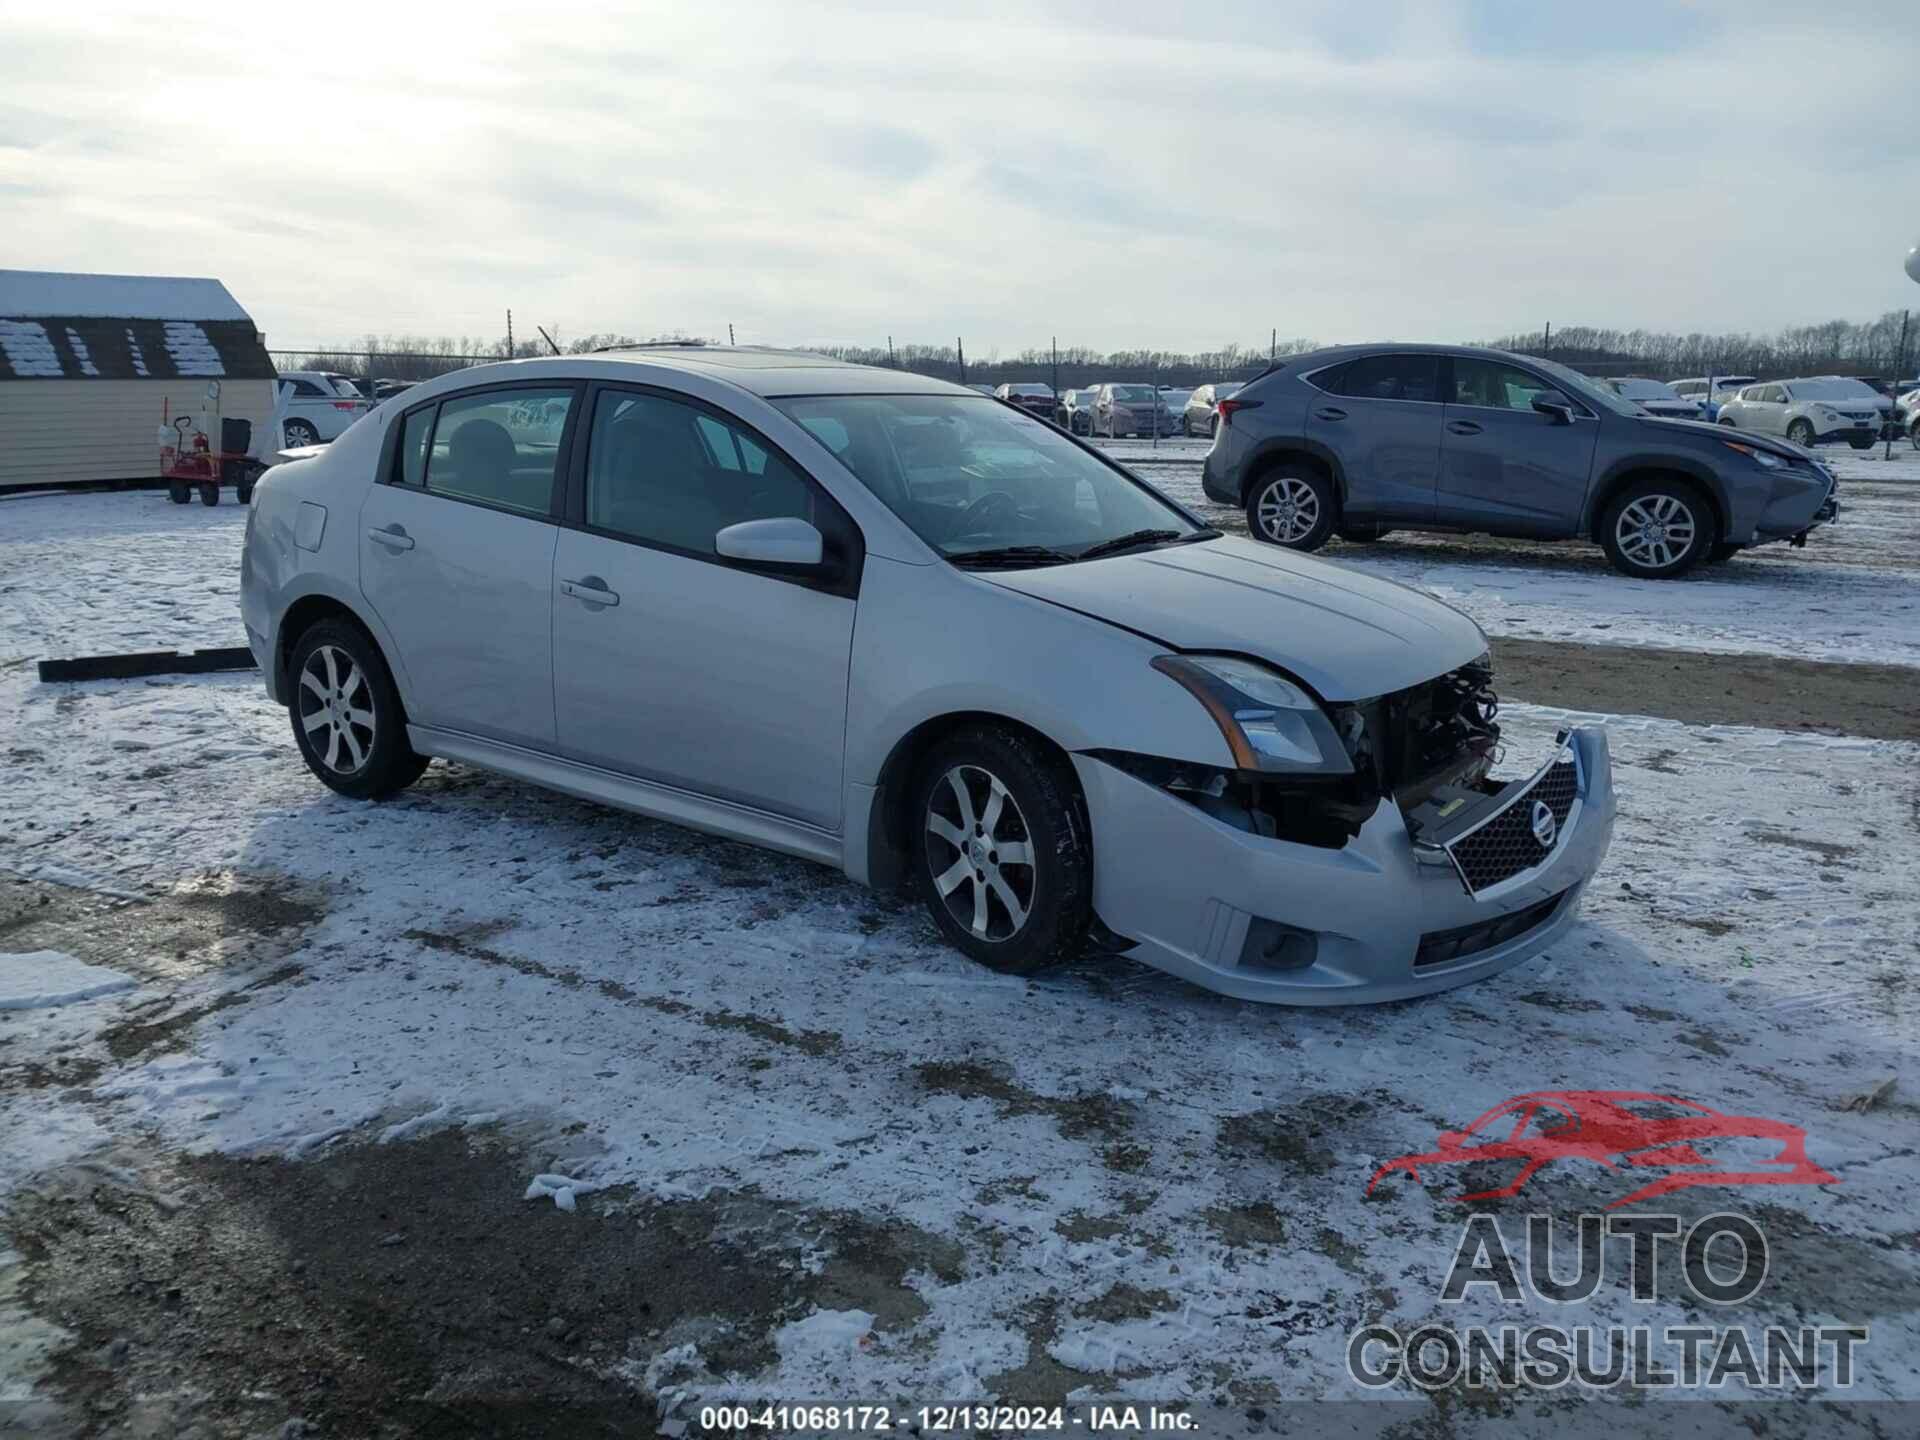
823 1337
192 351
562 1189
135 354
46 979
81 353
28 349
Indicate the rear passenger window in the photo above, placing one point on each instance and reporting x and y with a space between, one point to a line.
500 447
1390 377
665 473
413 446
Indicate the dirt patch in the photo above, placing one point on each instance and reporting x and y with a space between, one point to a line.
1565 1004
1092 1113
214 921
410 1289
1293 1136
1765 690
1653 1014
134 1037
1078 1226
1705 1041
470 943
1127 1302
1830 852
1042 1380
1243 1225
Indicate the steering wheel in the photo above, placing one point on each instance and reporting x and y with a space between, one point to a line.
980 514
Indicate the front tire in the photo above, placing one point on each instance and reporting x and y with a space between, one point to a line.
179 494
1291 506
1658 529
346 713
1800 432
1001 853
209 493
1861 444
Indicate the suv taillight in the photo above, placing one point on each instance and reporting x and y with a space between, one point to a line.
1227 407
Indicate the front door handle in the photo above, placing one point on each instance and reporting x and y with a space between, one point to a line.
1463 427
590 589
394 537
1329 412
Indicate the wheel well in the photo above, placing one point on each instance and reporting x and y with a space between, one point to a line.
1653 472
1276 458
302 616
890 825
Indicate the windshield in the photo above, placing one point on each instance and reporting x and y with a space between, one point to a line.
971 476
1574 383
1133 392
1039 390
1834 390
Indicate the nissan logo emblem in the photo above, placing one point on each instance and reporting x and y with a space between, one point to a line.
1545 827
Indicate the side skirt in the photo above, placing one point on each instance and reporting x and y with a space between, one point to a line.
626 792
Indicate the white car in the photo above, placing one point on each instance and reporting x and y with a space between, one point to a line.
1657 399
319 407
1814 411
1712 391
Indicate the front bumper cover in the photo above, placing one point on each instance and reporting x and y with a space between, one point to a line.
1187 888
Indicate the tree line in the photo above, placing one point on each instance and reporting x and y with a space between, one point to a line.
1843 347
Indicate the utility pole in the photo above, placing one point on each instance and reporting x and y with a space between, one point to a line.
1273 345
729 332
1056 368
1546 345
1899 362
893 362
509 334
960 346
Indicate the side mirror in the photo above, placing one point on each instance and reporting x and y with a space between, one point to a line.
788 543
1553 403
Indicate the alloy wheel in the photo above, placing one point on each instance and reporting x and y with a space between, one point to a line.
1655 531
1288 510
1800 433
980 853
336 709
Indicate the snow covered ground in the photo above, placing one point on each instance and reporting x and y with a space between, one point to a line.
1150 1191
1852 594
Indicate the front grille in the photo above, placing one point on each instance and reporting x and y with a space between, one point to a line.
1442 947
1505 846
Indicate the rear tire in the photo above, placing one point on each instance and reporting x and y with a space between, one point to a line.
179 494
1291 506
1659 528
1000 852
301 432
209 493
1861 444
346 713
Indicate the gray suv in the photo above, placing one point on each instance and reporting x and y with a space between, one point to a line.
1363 439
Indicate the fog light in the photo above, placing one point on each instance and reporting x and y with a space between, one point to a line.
1272 946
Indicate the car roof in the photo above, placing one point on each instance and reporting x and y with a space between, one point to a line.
760 370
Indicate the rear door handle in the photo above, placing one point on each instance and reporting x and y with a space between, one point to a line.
1328 412
1463 427
590 589
393 537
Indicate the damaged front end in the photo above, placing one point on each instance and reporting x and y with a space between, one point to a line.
1315 776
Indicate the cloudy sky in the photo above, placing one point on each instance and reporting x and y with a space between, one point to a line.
1112 173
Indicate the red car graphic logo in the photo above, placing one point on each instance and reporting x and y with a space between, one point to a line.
1690 1143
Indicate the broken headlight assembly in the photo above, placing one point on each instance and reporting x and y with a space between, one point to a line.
1271 725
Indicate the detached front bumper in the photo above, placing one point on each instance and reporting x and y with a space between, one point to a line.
1380 919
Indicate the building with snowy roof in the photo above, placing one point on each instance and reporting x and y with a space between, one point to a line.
88 363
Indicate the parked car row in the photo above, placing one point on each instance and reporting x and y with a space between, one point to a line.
1361 440
1814 411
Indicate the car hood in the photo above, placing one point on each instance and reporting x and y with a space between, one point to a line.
1346 635
1752 439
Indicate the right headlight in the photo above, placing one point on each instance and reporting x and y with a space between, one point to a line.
1269 722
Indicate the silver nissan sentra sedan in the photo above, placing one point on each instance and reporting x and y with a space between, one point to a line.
901 628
